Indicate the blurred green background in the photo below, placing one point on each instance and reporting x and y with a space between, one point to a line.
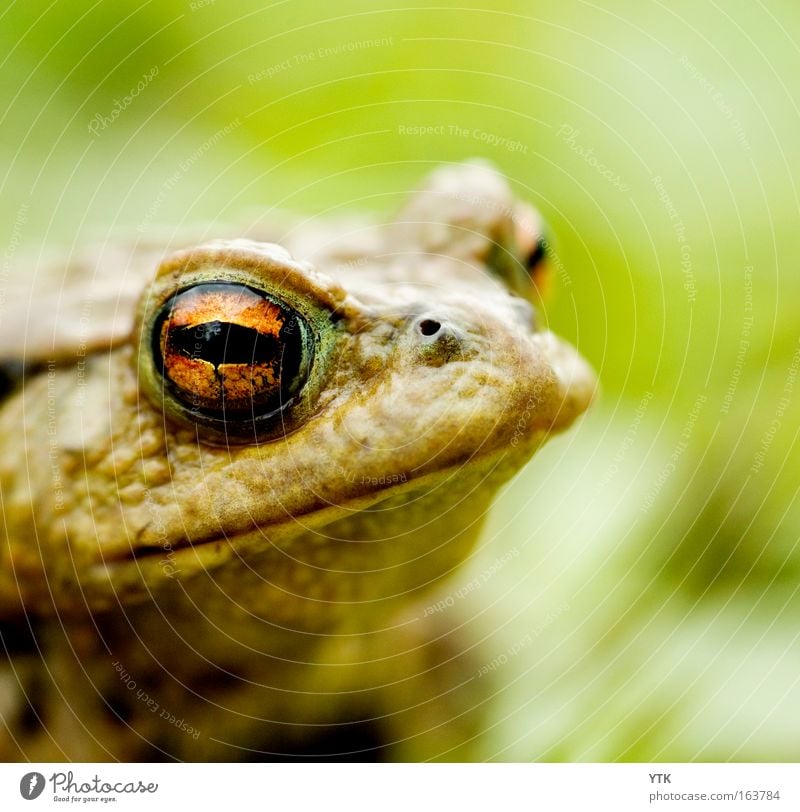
651 609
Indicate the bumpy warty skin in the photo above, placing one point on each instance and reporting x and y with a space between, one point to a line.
127 538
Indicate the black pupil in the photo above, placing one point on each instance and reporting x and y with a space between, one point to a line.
225 371
537 255
221 343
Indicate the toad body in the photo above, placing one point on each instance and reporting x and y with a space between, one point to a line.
225 504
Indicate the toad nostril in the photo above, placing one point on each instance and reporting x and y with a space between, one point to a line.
429 327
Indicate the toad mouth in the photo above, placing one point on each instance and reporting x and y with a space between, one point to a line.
217 547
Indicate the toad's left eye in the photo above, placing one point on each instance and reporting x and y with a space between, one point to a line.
536 256
231 354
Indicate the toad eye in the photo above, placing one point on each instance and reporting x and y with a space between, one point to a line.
234 357
536 256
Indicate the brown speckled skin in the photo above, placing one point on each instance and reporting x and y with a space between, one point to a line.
262 596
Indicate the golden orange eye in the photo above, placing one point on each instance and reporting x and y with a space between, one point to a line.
231 354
